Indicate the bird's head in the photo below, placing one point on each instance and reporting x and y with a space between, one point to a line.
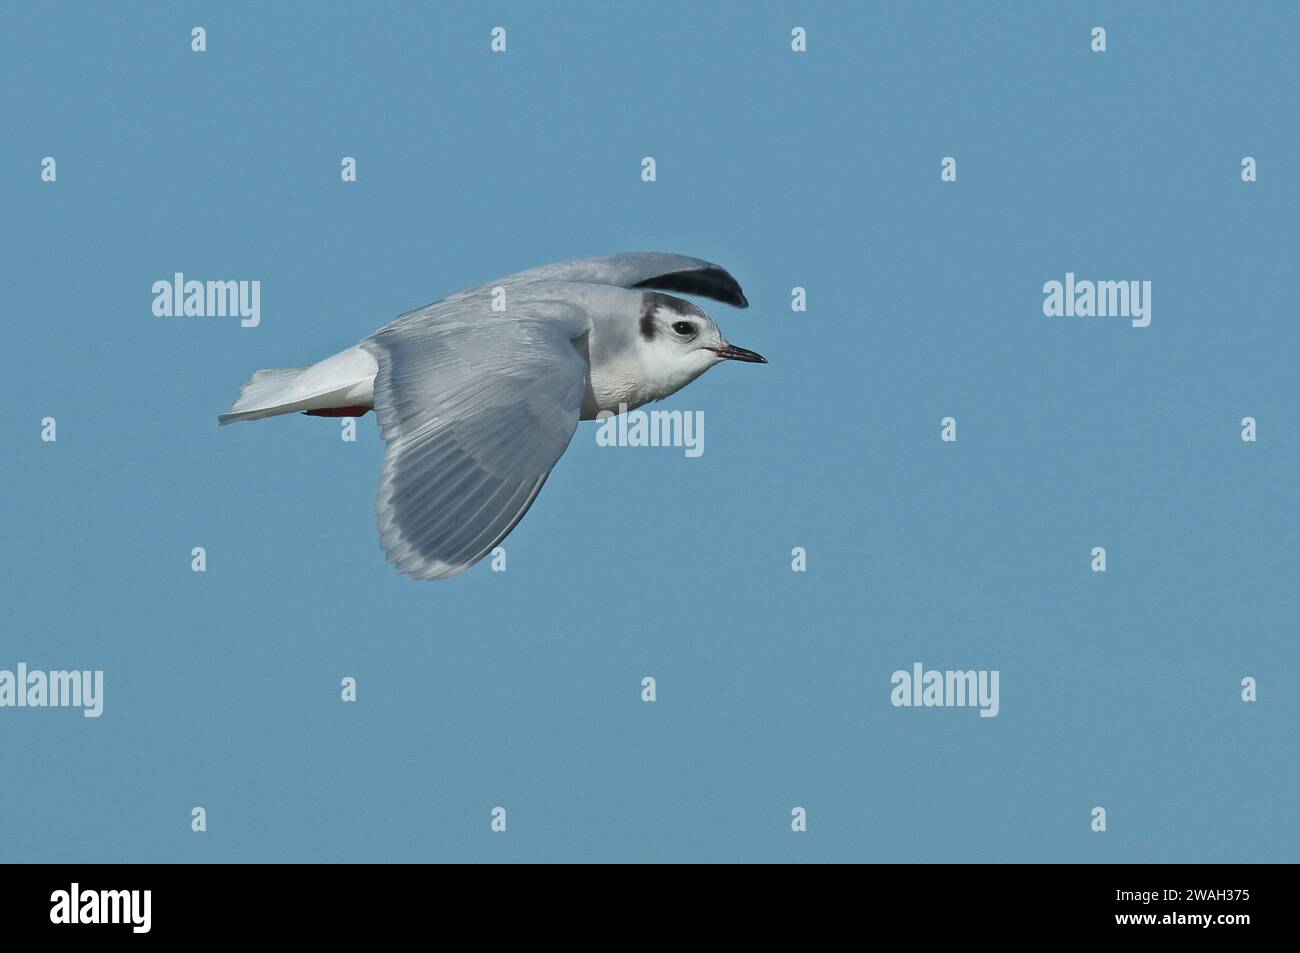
678 342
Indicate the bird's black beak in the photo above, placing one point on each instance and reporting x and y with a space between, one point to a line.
730 352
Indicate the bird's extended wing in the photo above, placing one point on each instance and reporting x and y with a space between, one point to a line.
655 270
475 413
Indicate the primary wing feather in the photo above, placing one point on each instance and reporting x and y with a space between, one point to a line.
657 271
476 409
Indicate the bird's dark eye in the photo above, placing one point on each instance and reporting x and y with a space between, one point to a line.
684 328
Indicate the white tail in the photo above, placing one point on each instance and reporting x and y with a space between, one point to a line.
345 380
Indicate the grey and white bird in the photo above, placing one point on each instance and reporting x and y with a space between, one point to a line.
478 394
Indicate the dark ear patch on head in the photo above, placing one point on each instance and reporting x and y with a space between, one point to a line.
652 301
649 304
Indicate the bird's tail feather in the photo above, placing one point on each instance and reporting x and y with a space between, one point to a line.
340 385
265 394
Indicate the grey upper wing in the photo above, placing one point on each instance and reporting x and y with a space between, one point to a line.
655 270
475 413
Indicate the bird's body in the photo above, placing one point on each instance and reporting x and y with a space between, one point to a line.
479 393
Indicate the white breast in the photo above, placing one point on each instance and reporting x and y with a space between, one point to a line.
614 386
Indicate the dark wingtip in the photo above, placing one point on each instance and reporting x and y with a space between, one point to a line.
711 282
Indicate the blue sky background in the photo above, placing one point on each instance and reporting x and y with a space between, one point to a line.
522 689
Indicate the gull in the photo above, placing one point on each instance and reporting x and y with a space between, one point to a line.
479 394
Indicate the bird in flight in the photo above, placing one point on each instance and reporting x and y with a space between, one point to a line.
478 394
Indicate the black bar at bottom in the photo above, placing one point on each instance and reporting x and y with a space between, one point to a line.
335 902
